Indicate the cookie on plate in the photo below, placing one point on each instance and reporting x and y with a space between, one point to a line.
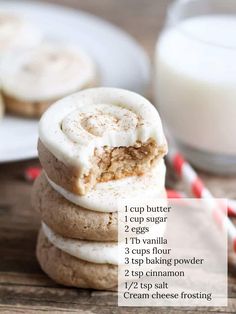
34 78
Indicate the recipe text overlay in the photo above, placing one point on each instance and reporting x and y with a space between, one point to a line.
172 253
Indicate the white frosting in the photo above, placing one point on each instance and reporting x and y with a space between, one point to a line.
73 127
46 72
105 196
90 251
15 32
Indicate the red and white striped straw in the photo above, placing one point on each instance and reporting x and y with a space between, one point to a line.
199 190
31 173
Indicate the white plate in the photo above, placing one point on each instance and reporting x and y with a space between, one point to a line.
121 61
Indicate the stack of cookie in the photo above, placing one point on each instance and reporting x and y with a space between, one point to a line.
96 147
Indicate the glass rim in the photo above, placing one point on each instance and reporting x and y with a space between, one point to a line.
173 9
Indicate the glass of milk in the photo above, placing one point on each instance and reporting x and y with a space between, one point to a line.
195 82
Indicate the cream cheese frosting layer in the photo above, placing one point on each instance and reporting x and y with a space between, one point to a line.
15 32
46 72
73 127
105 196
90 251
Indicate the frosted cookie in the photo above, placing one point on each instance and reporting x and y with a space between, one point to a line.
94 215
34 78
69 269
70 220
98 135
105 196
16 33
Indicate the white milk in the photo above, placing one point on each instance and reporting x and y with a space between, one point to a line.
196 82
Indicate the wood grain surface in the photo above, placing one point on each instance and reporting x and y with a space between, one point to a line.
23 286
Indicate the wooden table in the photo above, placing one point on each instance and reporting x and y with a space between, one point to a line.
23 286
